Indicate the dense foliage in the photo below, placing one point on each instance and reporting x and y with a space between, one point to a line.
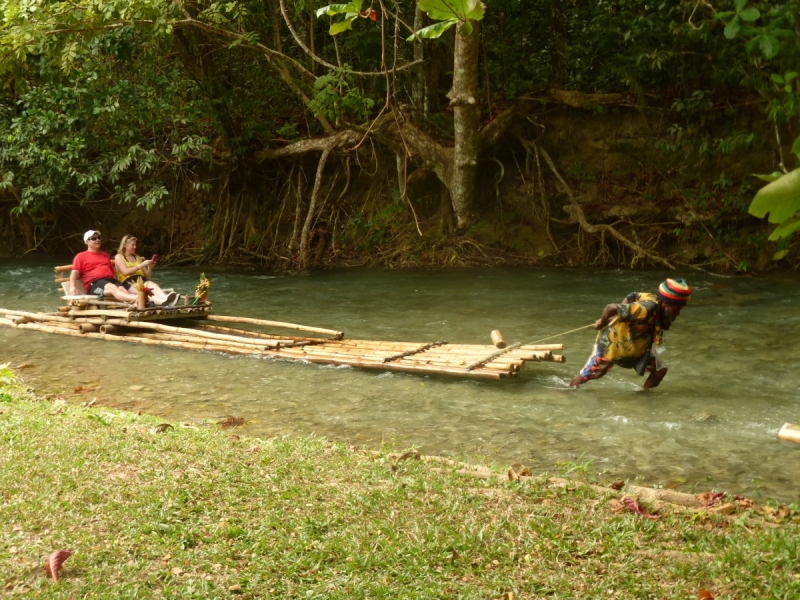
132 100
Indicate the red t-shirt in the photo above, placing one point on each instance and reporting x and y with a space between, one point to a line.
92 266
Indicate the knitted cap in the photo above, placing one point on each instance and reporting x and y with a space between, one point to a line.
674 290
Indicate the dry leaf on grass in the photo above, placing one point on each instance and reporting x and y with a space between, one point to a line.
705 595
709 498
231 422
517 470
615 505
633 506
54 562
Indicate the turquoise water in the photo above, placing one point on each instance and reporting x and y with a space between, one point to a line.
713 422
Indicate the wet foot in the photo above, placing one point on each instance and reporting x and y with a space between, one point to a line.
576 381
655 378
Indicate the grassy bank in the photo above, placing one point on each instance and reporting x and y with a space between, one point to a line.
201 513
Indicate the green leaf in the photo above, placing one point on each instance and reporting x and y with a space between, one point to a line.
789 76
769 45
433 31
342 25
444 10
465 29
777 78
796 148
784 230
739 4
781 198
771 177
732 28
749 14
780 254
338 9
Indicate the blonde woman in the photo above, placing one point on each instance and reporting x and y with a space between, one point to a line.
130 268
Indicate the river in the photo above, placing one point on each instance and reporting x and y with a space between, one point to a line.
713 422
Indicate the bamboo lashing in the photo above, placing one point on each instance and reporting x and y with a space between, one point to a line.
414 351
491 357
336 334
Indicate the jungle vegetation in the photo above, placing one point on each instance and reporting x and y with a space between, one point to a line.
294 133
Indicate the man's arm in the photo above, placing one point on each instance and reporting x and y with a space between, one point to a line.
73 282
609 312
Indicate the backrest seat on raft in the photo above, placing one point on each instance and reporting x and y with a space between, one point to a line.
64 281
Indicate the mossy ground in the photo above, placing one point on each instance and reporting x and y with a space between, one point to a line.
200 513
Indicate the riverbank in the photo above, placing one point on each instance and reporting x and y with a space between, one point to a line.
151 509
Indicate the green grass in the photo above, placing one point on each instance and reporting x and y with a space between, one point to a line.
199 513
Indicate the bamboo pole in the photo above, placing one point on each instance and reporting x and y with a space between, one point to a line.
497 339
63 268
542 347
186 331
255 334
99 313
226 319
88 328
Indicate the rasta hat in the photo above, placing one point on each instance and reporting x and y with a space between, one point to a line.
675 291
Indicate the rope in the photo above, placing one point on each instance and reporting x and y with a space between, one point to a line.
566 332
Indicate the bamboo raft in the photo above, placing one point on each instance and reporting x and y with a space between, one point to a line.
196 327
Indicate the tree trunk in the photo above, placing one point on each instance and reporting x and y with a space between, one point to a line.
463 98
305 237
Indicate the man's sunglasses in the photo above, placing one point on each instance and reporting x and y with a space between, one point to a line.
94 238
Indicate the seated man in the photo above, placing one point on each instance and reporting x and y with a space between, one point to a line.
93 266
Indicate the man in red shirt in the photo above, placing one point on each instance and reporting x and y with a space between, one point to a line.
93 267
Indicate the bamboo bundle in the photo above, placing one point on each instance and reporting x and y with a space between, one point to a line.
279 324
465 360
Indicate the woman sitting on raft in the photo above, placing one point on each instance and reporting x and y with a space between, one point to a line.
130 268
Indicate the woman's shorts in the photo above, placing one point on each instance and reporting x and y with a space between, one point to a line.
98 285
131 280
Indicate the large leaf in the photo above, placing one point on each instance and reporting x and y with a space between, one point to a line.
432 31
343 25
337 9
781 198
785 229
796 147
444 10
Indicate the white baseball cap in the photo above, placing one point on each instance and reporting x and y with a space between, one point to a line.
89 234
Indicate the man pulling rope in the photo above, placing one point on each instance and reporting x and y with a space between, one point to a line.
631 333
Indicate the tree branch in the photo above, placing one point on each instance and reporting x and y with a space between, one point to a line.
325 63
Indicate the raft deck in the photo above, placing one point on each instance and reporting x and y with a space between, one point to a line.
198 329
